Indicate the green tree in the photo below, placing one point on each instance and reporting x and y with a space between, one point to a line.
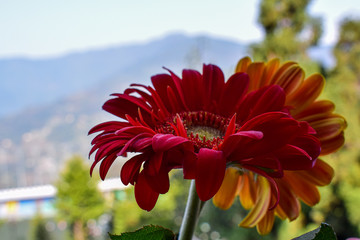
341 207
347 48
289 29
78 198
38 229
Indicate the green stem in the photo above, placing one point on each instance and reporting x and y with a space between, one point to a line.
192 212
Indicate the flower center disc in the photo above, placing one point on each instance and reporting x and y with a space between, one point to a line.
205 131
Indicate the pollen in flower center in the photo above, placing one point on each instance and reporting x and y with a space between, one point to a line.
205 131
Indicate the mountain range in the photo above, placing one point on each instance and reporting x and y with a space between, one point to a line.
48 105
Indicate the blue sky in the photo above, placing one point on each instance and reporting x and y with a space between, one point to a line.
43 28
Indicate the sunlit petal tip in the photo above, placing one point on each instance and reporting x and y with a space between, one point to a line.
261 205
229 188
243 64
266 224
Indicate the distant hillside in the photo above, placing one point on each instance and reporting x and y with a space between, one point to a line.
27 83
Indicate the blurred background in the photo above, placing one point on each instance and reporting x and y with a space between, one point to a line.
60 60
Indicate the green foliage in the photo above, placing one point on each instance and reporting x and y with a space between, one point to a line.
78 198
38 230
347 49
324 232
168 211
342 209
149 232
289 29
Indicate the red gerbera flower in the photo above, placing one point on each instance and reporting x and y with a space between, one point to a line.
204 125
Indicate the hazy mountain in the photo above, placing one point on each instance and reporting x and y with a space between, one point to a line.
28 82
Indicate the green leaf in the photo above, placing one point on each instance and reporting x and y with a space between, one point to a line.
324 232
149 232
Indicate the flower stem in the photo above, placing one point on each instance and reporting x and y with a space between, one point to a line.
192 212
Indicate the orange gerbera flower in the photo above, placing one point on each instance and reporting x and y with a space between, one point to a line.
255 191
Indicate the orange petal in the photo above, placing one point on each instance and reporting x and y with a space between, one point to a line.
243 64
255 71
321 174
329 127
280 213
280 71
332 145
266 223
229 188
270 69
247 193
304 189
288 203
261 206
307 93
291 79
316 110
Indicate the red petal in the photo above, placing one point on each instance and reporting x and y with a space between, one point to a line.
161 83
105 165
125 104
180 127
164 142
145 196
160 182
189 165
294 158
109 126
192 86
234 91
153 165
131 169
134 130
178 88
210 172
128 146
214 83
236 141
277 131
271 100
231 127
268 163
